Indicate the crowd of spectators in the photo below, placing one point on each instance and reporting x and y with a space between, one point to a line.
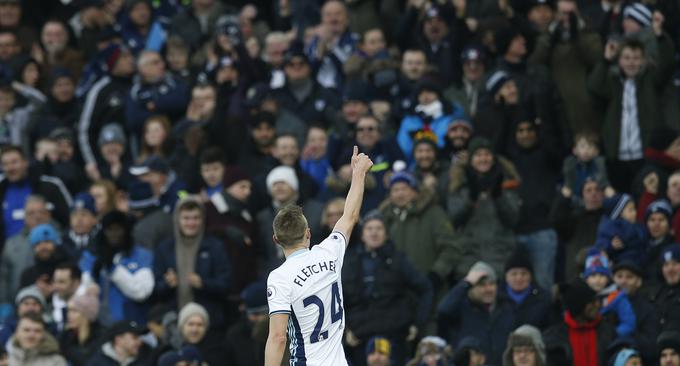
523 207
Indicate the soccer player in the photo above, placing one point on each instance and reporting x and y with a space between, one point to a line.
305 292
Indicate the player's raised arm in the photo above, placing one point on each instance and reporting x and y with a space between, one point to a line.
361 164
276 341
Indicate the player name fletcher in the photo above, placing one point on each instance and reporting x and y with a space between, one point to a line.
309 271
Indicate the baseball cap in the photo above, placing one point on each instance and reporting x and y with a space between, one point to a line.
153 163
126 326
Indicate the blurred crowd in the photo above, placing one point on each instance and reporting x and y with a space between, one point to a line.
523 208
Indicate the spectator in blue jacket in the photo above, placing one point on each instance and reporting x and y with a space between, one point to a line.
472 308
192 266
598 277
618 233
432 112
122 270
154 91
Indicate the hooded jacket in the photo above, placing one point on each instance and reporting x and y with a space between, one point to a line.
45 354
525 336
211 264
487 225
423 232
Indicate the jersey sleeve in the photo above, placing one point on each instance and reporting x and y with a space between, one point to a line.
278 295
336 243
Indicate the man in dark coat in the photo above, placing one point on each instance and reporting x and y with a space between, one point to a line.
629 276
666 297
124 347
192 266
378 284
472 308
531 302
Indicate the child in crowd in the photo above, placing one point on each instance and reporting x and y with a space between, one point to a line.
598 277
585 162
618 233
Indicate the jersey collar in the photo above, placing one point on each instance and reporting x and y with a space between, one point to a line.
297 252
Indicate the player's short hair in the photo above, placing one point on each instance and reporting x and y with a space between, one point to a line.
290 225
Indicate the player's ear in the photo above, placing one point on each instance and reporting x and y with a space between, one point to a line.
308 234
275 240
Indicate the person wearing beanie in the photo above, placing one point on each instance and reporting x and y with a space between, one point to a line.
113 162
192 266
598 276
629 94
473 308
83 224
629 277
668 346
419 227
432 350
583 336
374 274
123 346
468 92
116 263
428 168
519 288
378 351
104 102
458 136
657 218
48 252
483 203
627 357
82 335
28 300
636 17
619 234
666 295
194 325
431 113
245 341
525 348
469 352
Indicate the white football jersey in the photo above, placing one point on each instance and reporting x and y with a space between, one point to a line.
308 287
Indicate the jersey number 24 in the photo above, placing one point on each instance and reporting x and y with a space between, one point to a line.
336 312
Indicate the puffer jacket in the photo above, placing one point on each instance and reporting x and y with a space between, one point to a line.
45 354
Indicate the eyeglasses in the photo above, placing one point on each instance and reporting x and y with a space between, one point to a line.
367 129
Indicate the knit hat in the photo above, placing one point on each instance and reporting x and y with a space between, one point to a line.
255 297
462 354
374 214
496 81
502 39
624 355
472 53
461 122
232 175
30 292
490 273
186 354
671 254
126 326
284 174
59 73
613 206
62 133
404 177
425 137
356 91
84 201
576 296
639 13
659 206
190 310
596 262
630 265
526 336
111 54
669 339
479 143
296 49
112 133
519 259
44 232
379 344
85 304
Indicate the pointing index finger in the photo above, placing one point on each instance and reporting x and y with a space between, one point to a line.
356 151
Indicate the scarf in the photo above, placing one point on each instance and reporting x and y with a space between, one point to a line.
583 341
433 110
186 249
630 144
517 297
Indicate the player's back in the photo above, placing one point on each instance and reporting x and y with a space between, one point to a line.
308 287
